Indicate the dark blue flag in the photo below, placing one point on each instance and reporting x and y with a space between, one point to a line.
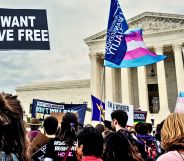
115 41
98 109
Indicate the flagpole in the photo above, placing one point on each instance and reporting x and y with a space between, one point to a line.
102 89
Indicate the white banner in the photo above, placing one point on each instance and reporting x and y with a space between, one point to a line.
112 106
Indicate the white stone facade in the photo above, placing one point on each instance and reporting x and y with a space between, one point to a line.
163 34
76 92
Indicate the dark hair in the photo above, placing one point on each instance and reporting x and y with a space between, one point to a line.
34 127
91 140
121 116
13 132
117 147
141 128
158 131
150 127
50 125
69 127
107 124
100 128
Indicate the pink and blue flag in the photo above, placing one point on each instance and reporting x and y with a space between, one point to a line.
115 40
136 54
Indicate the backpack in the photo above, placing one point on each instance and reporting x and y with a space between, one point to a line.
150 146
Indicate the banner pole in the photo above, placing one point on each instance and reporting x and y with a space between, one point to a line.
102 92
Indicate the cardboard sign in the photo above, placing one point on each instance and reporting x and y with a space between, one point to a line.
24 29
38 142
112 106
40 154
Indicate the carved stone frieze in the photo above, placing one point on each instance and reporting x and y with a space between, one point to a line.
150 23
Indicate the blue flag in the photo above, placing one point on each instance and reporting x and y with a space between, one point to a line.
97 109
115 41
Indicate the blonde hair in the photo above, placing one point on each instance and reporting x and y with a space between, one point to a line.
172 133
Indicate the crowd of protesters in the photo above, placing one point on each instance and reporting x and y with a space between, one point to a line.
107 141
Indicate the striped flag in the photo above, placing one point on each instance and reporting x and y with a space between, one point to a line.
136 54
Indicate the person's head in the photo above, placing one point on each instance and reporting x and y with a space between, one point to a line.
69 127
141 128
34 124
90 141
50 125
107 125
150 127
158 131
105 133
100 127
119 119
117 147
12 130
172 133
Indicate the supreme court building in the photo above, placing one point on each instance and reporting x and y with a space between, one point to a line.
153 88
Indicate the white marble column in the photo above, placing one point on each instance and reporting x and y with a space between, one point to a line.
143 89
179 66
162 86
95 76
109 84
126 86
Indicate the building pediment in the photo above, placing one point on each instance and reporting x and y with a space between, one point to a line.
150 22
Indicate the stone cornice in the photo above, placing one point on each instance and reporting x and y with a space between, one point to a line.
163 32
56 85
152 24
155 14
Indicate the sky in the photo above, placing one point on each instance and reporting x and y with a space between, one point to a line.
69 23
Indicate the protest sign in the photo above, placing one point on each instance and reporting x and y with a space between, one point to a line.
46 108
23 29
111 106
140 116
40 154
38 142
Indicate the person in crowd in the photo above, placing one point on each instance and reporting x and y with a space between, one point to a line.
50 126
107 125
150 128
119 121
34 126
90 144
172 138
100 128
63 146
158 139
13 140
158 131
146 139
117 147
105 133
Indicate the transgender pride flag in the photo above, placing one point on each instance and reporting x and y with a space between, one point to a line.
136 54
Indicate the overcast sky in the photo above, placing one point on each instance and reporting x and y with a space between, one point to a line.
69 22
